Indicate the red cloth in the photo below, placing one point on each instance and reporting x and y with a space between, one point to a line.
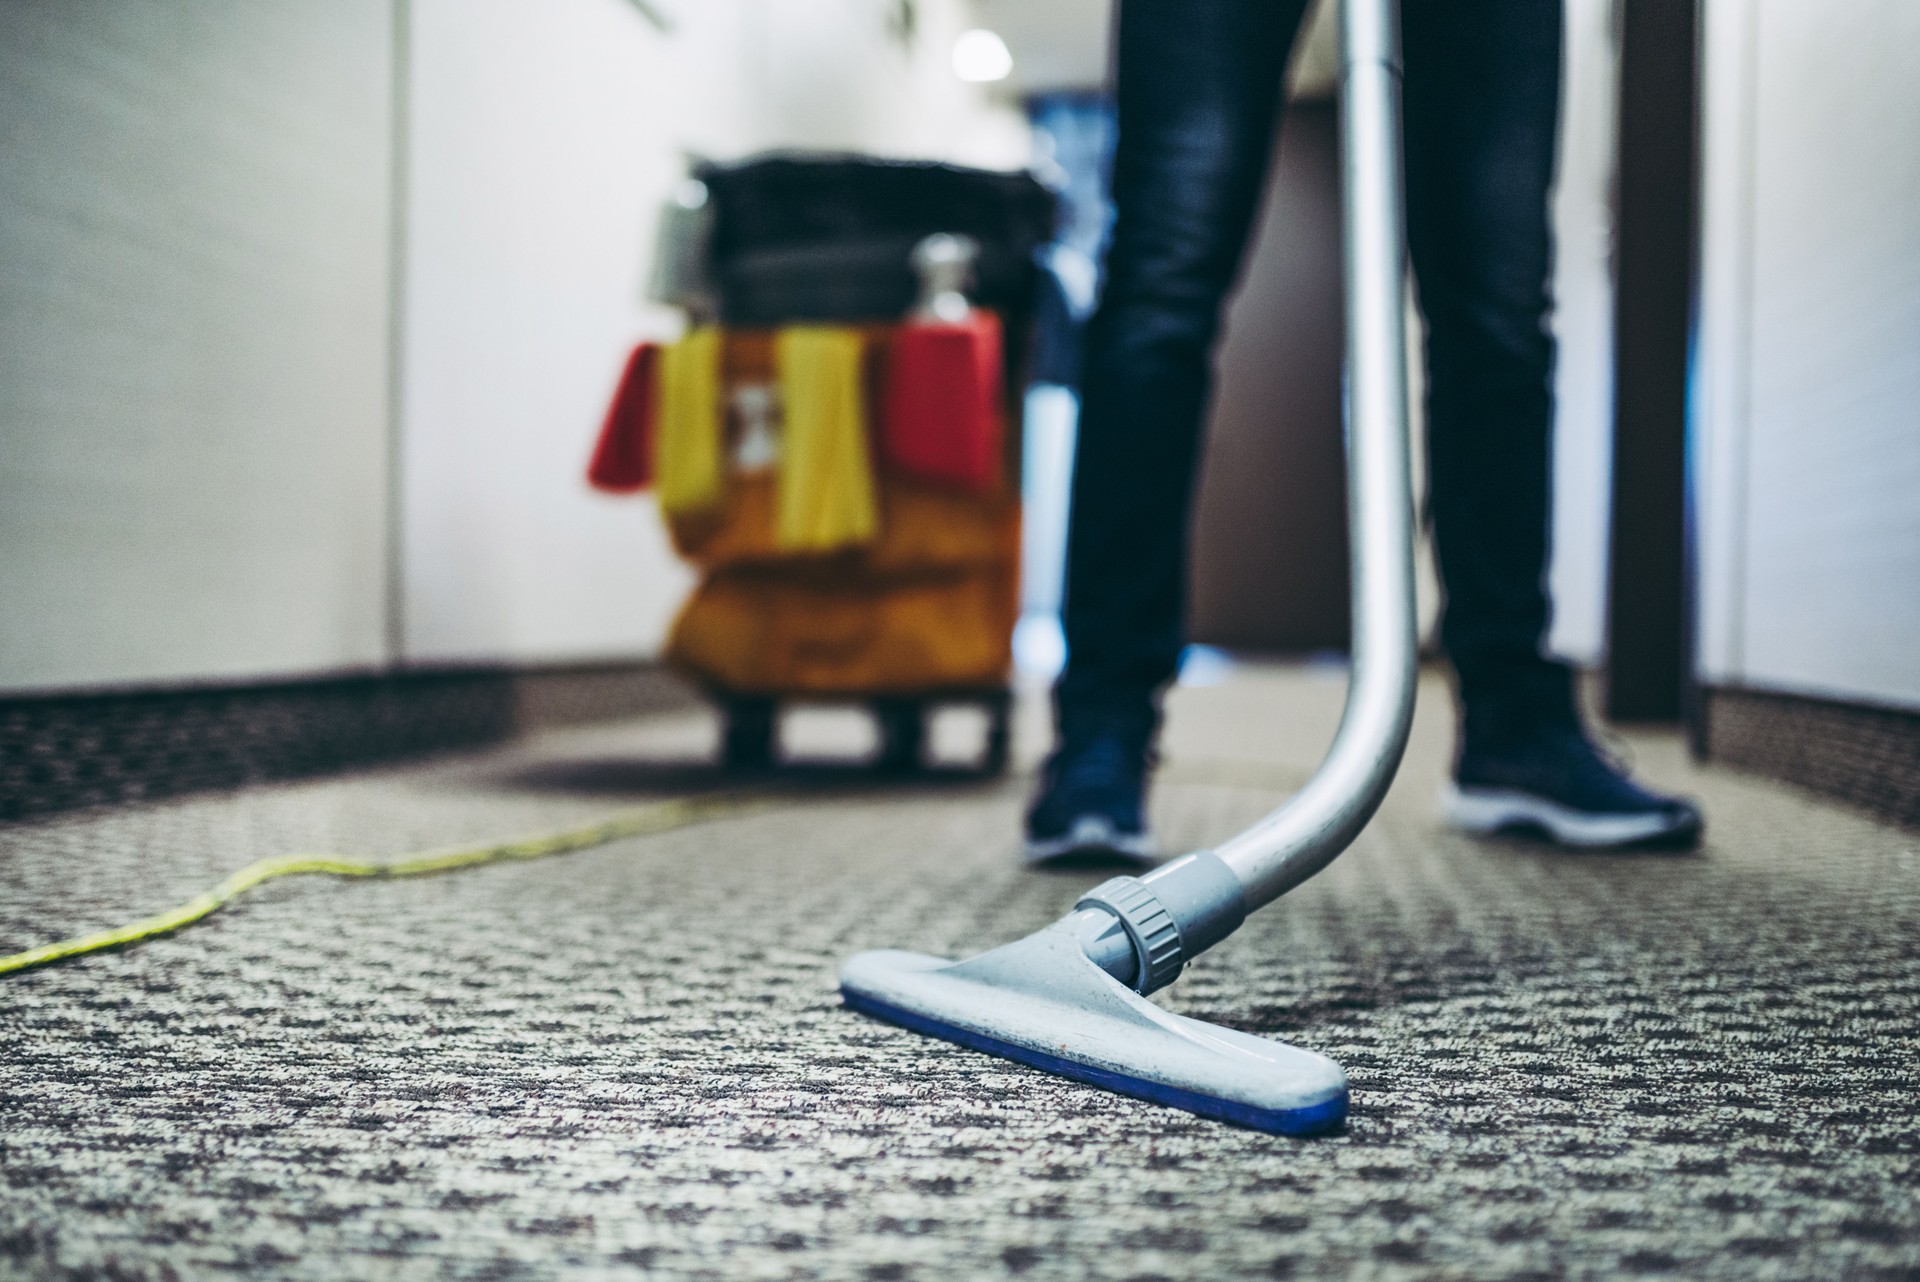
943 417
623 456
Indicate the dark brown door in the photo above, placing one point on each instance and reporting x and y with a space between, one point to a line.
1269 558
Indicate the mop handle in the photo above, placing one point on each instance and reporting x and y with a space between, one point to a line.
1303 836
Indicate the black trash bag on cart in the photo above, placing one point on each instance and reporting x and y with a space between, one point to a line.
799 236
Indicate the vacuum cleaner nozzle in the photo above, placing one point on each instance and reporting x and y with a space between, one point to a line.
1044 1001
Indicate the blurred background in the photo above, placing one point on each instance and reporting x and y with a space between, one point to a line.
310 311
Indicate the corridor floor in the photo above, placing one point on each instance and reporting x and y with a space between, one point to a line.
631 1061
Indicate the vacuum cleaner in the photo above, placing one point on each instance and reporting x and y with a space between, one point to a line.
1071 999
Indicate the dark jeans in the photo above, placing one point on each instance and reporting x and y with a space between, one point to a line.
1199 89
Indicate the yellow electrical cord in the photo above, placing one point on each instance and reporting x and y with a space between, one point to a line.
660 817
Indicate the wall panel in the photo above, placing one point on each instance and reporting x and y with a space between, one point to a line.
193 338
1807 456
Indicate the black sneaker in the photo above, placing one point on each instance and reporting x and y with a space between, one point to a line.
1090 800
1554 782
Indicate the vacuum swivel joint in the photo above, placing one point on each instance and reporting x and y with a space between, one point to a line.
1176 912
1157 954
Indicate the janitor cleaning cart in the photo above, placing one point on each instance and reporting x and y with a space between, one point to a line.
834 443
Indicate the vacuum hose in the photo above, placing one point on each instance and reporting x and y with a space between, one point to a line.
1142 930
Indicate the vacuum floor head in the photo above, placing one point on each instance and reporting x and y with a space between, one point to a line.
1041 1001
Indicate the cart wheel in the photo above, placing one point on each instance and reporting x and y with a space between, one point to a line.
903 734
999 736
746 737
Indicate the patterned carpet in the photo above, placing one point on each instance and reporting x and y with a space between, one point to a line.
631 1062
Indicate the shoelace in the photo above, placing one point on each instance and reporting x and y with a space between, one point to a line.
1612 750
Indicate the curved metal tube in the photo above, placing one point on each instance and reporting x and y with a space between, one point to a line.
1303 836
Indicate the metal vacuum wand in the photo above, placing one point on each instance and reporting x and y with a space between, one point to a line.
1195 894
1070 999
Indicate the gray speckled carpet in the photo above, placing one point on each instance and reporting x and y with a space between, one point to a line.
631 1061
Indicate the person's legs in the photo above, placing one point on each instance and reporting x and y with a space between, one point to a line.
1199 84
1482 98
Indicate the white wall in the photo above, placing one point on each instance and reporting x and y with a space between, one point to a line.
543 140
540 138
1807 369
193 338
1583 324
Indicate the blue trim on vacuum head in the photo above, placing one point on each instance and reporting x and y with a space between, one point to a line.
1315 1119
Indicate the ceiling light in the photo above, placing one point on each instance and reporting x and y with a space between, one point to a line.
980 56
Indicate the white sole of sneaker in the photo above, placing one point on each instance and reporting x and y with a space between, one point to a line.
1484 811
1093 835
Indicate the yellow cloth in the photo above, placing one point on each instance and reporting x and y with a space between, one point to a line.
826 495
690 437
